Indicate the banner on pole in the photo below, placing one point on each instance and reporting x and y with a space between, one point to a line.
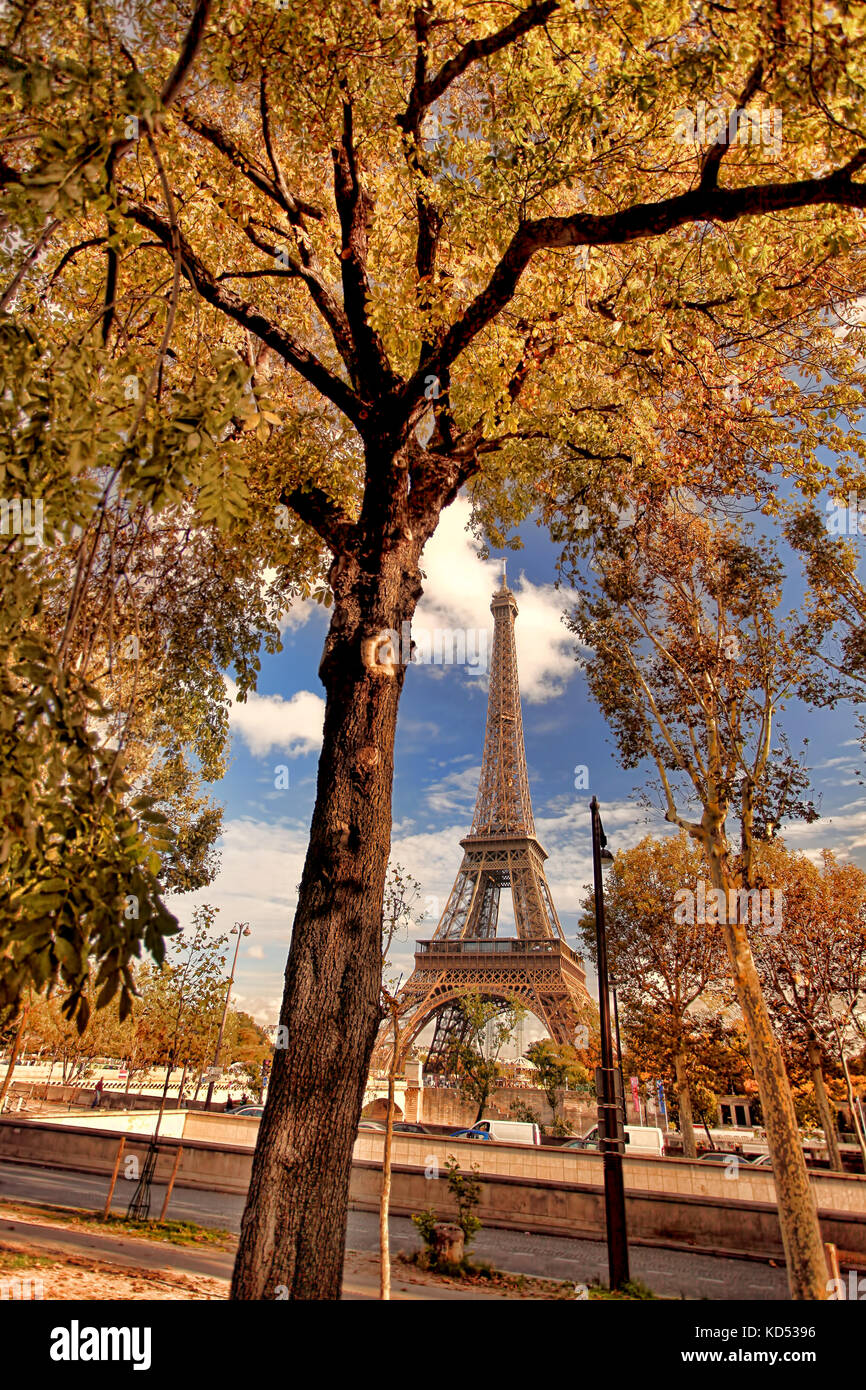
662 1107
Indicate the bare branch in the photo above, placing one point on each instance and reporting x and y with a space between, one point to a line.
246 164
188 53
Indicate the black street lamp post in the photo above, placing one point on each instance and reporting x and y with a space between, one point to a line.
610 1132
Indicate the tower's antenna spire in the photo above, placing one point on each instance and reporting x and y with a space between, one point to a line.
504 575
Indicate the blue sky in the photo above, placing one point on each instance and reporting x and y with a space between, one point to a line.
438 753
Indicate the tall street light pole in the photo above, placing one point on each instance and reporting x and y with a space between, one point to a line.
610 1136
242 929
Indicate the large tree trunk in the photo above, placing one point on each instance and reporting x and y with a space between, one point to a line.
828 1118
684 1100
798 1213
293 1229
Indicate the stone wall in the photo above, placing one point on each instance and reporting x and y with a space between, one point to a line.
553 1207
671 1201
444 1106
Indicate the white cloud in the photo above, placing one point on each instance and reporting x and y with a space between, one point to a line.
457 593
454 792
263 1007
844 832
268 722
260 866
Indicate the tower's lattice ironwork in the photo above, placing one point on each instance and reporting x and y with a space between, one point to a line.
465 955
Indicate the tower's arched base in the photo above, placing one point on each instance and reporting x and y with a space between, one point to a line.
545 975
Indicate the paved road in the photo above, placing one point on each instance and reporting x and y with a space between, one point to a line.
671 1272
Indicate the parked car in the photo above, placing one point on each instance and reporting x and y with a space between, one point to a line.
371 1124
763 1161
470 1134
403 1127
642 1141
722 1156
255 1110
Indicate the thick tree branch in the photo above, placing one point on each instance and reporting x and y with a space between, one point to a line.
315 508
639 222
715 154
429 219
230 304
425 92
354 208
188 53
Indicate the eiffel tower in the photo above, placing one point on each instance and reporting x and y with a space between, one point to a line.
465 955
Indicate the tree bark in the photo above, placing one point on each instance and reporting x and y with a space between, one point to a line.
483 1098
293 1229
828 1118
684 1100
798 1213
13 1058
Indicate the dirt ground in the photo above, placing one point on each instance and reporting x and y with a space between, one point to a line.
72 1277
39 1269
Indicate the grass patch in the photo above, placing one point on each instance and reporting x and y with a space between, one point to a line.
175 1232
171 1232
18 1259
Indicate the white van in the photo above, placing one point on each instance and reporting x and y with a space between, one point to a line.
641 1140
510 1131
